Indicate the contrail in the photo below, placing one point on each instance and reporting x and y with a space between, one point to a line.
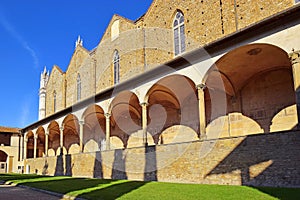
9 28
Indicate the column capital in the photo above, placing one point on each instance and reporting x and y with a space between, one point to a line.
201 86
144 104
295 57
81 122
107 115
47 132
26 139
61 128
36 137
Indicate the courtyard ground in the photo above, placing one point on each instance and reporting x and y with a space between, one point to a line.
123 189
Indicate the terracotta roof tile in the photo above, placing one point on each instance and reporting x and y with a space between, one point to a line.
9 130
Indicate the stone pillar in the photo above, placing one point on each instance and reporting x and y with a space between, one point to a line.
201 106
107 134
46 143
21 147
61 139
144 122
35 145
81 123
295 60
25 147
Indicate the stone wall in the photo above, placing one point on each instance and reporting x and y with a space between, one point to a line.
148 42
55 83
260 160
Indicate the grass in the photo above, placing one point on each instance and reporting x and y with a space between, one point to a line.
123 189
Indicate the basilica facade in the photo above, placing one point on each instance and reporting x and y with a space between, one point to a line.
192 91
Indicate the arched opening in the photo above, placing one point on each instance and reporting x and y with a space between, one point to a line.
30 144
172 101
53 138
174 134
3 162
126 117
71 134
40 142
116 143
94 128
255 81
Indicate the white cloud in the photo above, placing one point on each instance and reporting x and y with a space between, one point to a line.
9 28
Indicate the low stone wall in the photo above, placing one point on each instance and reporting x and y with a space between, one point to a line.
261 160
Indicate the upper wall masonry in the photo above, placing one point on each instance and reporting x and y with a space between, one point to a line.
150 41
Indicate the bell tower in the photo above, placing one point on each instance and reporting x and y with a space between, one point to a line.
42 93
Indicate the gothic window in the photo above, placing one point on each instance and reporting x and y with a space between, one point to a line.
179 33
116 62
78 87
54 101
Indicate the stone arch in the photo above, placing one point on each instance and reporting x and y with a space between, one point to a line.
94 128
71 138
30 144
126 115
116 142
177 134
3 161
41 141
53 138
254 80
172 101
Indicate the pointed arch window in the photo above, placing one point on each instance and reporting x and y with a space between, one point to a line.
54 101
179 33
78 87
116 62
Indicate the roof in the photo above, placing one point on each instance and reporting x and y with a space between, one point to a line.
4 129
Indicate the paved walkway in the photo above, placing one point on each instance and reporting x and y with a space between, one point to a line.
8 192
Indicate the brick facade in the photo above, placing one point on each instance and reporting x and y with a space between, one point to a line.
148 42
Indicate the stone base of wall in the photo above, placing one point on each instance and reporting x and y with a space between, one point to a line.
259 160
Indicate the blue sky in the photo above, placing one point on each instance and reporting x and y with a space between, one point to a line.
37 33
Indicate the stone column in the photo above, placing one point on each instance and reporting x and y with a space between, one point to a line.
46 143
25 148
21 147
295 60
201 106
107 134
81 123
61 139
144 122
35 145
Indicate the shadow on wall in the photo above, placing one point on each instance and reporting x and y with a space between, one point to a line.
45 168
60 169
69 165
119 169
98 171
150 173
265 160
298 106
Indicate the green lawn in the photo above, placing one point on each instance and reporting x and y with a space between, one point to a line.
121 189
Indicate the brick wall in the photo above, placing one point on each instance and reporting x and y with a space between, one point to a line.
205 21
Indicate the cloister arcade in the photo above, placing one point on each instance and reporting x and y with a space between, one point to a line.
249 90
